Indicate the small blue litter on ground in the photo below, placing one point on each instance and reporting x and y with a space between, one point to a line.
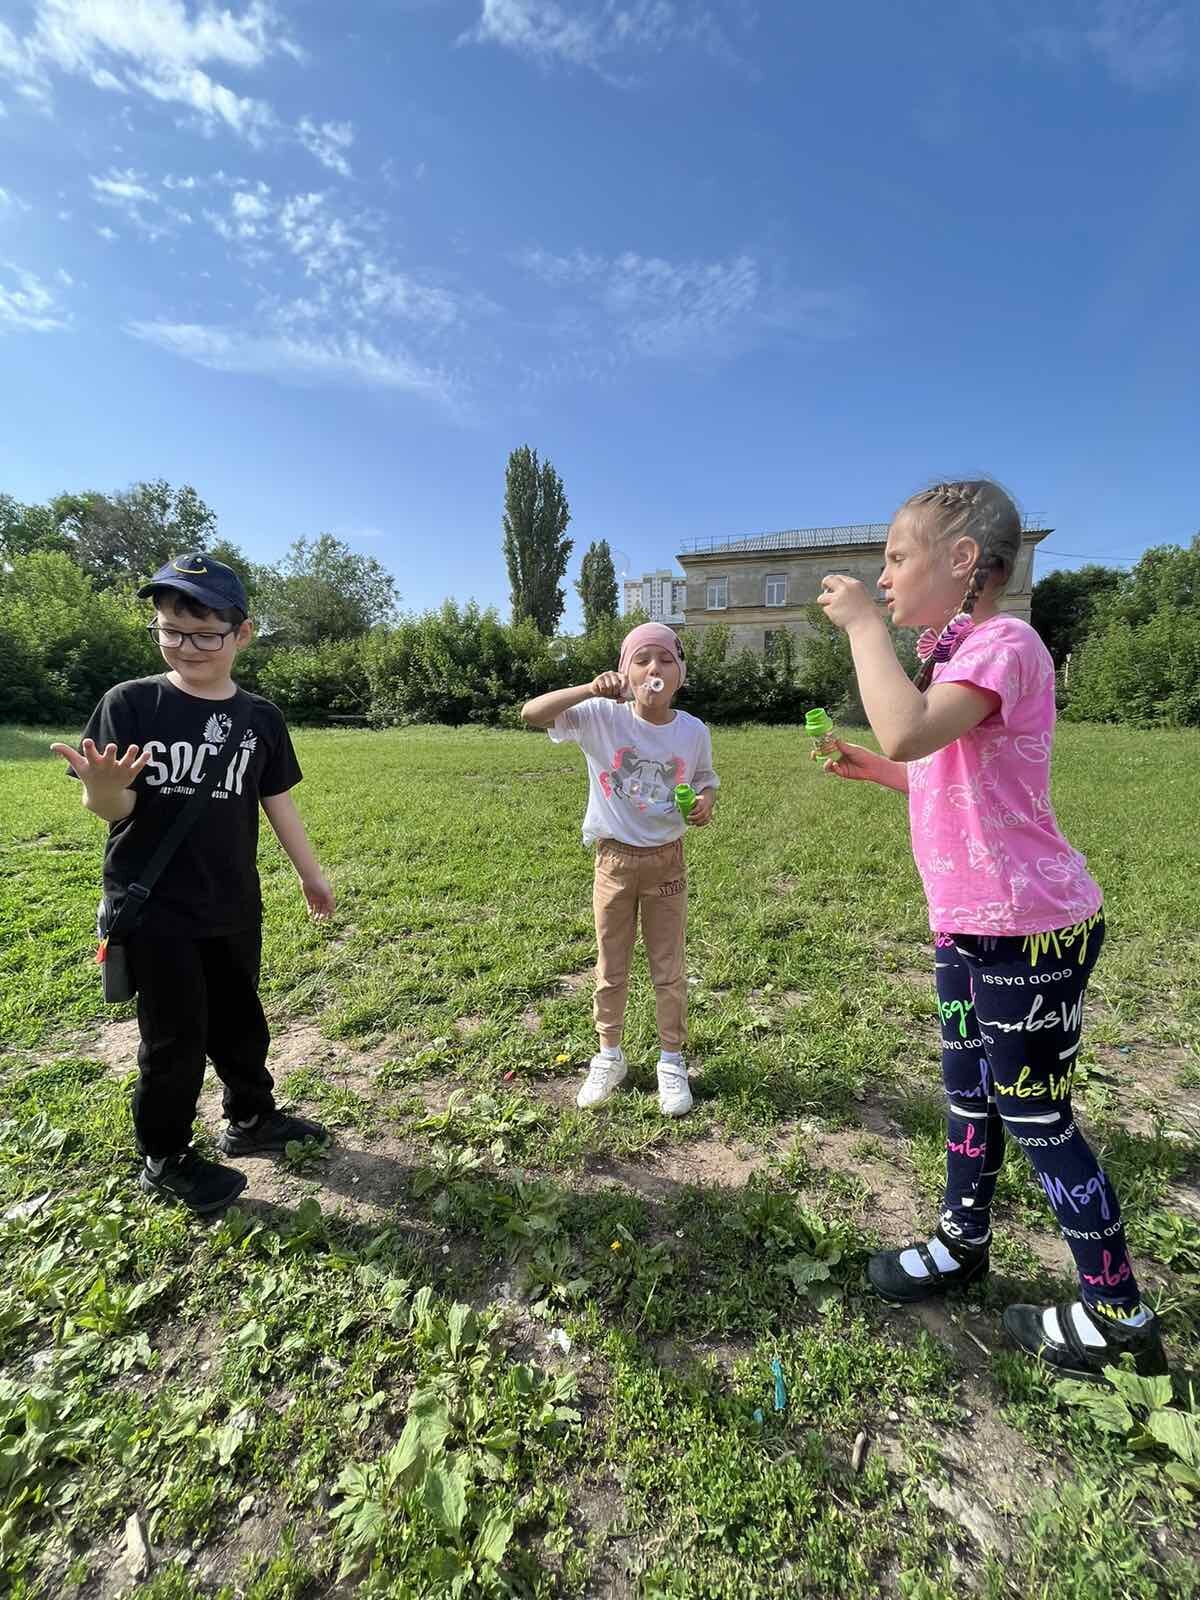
780 1387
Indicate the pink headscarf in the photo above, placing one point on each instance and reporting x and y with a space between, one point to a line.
652 633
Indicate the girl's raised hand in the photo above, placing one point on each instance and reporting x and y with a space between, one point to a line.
854 761
610 686
845 600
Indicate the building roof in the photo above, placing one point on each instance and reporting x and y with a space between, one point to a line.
836 538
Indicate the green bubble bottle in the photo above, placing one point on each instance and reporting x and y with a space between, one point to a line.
820 729
685 798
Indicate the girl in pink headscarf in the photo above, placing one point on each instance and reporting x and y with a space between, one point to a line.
638 749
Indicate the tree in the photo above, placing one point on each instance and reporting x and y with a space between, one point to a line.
1064 605
597 585
1140 663
24 529
120 537
536 552
321 591
1166 577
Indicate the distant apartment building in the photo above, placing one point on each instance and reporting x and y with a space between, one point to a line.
659 594
760 586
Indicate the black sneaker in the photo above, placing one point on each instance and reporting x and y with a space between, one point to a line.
188 1179
892 1283
1070 1356
274 1130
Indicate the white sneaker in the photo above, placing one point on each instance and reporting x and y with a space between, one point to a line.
674 1095
605 1074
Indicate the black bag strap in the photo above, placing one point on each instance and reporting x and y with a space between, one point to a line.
136 894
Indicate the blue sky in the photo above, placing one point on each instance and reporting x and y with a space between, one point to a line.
732 266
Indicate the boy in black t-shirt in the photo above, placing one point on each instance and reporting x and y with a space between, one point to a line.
194 954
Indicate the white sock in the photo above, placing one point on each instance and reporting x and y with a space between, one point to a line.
611 1052
155 1168
243 1127
670 1058
1088 1330
912 1265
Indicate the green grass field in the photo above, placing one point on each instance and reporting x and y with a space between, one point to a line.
490 1345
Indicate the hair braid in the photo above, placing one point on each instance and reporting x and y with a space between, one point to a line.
978 509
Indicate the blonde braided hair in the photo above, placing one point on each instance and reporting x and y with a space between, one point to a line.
978 509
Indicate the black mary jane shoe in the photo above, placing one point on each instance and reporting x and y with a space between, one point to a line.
890 1281
1071 1357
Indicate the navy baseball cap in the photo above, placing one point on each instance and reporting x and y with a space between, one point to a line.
202 577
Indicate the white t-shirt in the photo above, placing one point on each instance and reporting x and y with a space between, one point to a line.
633 767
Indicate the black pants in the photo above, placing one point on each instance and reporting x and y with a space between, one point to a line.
1012 1013
197 998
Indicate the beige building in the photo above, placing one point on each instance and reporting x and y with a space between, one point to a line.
761 585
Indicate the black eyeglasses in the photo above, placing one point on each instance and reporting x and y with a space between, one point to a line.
174 637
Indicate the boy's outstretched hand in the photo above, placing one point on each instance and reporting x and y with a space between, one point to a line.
103 769
610 686
319 894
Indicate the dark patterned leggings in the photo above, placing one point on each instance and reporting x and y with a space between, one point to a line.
1011 1014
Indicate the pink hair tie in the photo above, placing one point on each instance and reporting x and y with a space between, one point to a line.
941 646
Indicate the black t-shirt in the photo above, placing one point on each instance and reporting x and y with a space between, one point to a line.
210 886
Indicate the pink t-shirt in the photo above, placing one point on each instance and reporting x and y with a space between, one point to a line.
984 835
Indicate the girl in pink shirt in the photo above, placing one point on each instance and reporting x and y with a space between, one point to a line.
1017 920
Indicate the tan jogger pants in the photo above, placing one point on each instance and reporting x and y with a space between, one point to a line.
653 880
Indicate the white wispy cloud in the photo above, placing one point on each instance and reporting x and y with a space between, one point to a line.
349 359
328 143
346 273
383 291
27 305
123 187
610 310
129 192
167 49
109 235
595 34
337 310
1144 44
317 235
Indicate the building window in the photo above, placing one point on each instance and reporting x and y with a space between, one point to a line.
716 594
777 590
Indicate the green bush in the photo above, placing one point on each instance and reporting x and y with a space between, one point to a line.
1142 674
456 665
66 643
318 684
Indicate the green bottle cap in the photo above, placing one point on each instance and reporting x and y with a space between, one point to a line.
685 797
817 722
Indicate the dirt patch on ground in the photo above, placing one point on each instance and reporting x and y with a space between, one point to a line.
299 1045
1143 1076
711 1163
572 982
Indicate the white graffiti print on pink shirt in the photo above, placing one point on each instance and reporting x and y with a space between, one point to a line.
1034 747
